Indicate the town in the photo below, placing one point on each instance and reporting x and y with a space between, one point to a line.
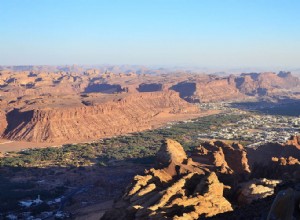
254 128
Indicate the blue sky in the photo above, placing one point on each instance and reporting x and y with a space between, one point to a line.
210 33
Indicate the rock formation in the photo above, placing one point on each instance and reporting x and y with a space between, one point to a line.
200 186
256 189
222 157
274 151
285 161
294 141
178 189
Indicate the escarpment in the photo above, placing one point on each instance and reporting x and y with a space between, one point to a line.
130 114
266 83
212 89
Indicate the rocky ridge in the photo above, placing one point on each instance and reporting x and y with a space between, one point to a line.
214 182
182 187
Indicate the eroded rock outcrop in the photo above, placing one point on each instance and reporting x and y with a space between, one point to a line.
273 152
179 189
197 187
285 161
224 158
256 189
294 141
213 181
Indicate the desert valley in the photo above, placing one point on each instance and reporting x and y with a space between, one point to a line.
207 136
64 106
149 110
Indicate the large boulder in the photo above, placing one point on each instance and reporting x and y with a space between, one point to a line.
170 152
256 189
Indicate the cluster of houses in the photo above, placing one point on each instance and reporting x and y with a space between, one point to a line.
38 201
258 129
25 206
30 203
214 106
41 216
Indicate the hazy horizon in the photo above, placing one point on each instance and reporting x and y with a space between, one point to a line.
207 69
202 34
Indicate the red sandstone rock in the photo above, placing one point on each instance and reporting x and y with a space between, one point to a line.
168 192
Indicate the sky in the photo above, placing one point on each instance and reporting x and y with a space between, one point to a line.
204 33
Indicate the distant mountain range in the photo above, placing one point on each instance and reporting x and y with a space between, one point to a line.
53 104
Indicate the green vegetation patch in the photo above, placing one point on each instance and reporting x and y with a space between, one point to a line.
138 147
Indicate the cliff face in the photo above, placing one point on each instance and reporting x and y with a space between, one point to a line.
133 113
218 90
266 83
212 90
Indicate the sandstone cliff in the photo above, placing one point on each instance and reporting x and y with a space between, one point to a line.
210 90
133 113
266 83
